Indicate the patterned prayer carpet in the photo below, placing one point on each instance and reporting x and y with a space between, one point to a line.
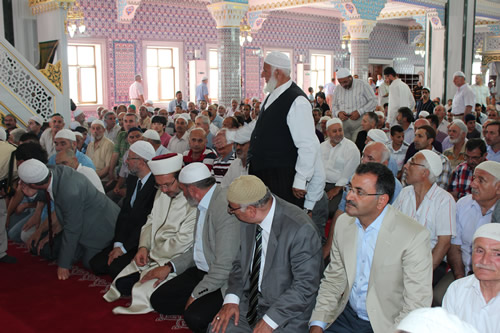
32 299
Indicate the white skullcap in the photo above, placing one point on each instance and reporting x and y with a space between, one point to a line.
78 134
150 109
91 119
460 124
98 122
370 78
151 134
426 88
459 73
491 167
333 121
423 114
278 60
148 102
65 134
77 113
74 124
380 113
324 118
377 135
434 320
3 134
243 136
32 171
342 73
204 78
194 172
37 119
488 230
434 161
165 164
143 149
183 116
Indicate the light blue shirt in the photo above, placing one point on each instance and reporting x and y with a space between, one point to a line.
492 156
201 91
198 254
81 157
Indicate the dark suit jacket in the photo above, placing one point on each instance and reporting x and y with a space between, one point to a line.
131 219
291 274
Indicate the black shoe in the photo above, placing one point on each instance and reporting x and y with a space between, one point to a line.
8 259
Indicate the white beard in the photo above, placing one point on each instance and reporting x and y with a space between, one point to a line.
271 85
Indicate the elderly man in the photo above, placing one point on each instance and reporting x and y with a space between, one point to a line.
387 275
153 138
10 123
68 158
239 166
430 205
340 158
166 234
144 118
100 150
87 216
35 124
492 138
80 118
111 128
202 91
66 140
56 124
134 211
464 99
457 133
203 122
462 176
368 121
202 271
263 295
136 92
198 151
179 143
399 95
475 299
440 112
226 155
351 99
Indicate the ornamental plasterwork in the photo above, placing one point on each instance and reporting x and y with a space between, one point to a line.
489 58
284 4
54 74
227 14
360 29
43 6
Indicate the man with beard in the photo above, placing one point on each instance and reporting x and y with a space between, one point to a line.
167 233
457 132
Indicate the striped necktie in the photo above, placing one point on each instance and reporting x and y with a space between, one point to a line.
254 279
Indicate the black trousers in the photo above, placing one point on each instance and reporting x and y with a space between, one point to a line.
349 322
279 181
171 298
99 263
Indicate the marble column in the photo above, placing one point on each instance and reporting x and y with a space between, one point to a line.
359 31
228 16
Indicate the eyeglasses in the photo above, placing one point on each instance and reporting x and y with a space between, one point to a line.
358 192
474 158
133 158
164 186
410 162
231 210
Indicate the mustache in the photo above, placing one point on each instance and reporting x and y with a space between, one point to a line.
489 268
350 202
474 191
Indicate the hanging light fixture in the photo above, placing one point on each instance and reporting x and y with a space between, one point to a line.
245 31
75 20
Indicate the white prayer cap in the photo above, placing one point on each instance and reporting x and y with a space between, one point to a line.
148 102
32 171
460 124
151 134
98 122
65 134
426 88
370 78
183 116
380 114
423 114
3 134
324 118
278 60
491 167
74 124
434 161
194 172
342 73
377 135
37 119
459 73
165 164
434 320
91 119
78 134
143 149
333 121
77 112
204 78
150 109
488 230
243 136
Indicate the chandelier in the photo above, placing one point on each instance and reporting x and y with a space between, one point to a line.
74 20
245 31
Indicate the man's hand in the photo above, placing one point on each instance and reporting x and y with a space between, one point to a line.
141 258
219 139
33 240
190 301
115 253
315 329
62 273
355 115
299 194
262 327
333 192
159 273
42 243
33 221
343 116
221 319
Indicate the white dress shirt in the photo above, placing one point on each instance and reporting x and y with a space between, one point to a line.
399 96
410 134
463 97
465 300
329 88
176 145
437 212
174 103
360 97
481 92
340 161
198 253
316 187
398 155
92 176
135 90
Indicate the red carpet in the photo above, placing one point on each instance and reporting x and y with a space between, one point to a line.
33 300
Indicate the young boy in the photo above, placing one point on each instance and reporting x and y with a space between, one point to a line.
397 146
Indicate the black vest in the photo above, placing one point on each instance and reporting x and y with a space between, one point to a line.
271 145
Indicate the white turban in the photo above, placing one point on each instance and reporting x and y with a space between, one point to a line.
165 164
278 60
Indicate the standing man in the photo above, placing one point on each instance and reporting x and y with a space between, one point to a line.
351 99
381 264
136 92
177 102
329 90
6 150
399 95
481 92
202 91
425 103
275 277
464 99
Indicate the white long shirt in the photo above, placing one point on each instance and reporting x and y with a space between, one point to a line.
399 96
340 161
360 97
464 97
481 92
135 90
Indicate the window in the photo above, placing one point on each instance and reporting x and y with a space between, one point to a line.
162 73
85 73
476 70
321 69
213 74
